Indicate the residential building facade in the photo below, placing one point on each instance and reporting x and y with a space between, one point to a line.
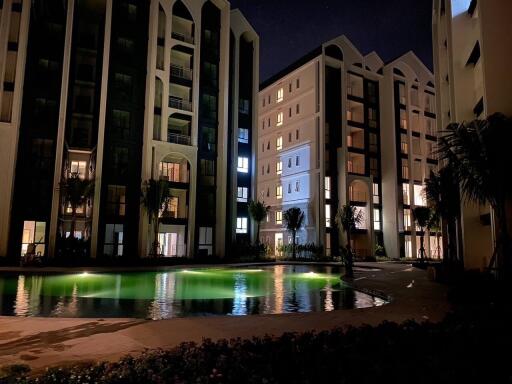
471 43
127 91
326 126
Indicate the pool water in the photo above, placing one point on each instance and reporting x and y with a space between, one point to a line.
181 293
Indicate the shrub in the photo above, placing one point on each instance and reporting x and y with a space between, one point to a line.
446 352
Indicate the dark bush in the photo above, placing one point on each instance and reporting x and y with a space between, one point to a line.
465 347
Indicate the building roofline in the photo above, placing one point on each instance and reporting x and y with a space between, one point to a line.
292 67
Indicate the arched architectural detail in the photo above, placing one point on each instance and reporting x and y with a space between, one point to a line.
334 51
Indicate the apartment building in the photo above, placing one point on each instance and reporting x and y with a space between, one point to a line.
471 42
329 134
117 92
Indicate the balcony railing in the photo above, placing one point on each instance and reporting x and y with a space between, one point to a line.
178 103
181 72
181 36
178 139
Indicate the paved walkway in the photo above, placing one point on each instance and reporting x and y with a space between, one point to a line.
42 342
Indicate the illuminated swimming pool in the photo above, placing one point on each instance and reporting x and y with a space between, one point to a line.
181 293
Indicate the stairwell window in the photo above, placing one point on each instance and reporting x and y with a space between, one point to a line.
242 194
279 167
243 164
241 225
279 217
279 119
279 192
280 95
279 143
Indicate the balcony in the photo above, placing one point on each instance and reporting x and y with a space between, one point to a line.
181 104
177 138
183 36
181 72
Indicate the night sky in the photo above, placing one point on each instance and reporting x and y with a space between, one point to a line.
289 29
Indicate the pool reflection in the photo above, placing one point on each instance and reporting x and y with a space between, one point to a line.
167 294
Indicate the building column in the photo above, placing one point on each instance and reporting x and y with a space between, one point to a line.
101 130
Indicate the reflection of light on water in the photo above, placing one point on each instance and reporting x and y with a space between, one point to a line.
21 307
162 306
240 291
278 288
328 304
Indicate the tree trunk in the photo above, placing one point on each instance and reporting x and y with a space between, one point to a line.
257 233
349 270
422 247
293 246
73 222
156 242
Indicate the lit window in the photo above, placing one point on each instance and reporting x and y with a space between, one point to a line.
403 119
405 192
242 194
243 164
376 219
279 143
279 167
279 192
327 187
279 217
327 215
376 198
241 225
407 219
243 135
78 167
279 119
34 233
280 94
419 196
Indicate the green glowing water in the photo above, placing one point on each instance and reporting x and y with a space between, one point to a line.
178 293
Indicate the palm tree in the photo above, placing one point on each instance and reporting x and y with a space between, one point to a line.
422 217
348 217
155 197
434 226
479 154
443 197
258 211
294 219
75 191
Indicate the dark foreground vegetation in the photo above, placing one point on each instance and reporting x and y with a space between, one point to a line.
470 345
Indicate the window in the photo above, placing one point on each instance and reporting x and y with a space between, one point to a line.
33 238
268 146
279 191
279 143
280 94
268 122
297 161
290 87
297 134
407 219
297 186
376 219
404 146
289 137
269 99
242 194
372 117
297 109
116 200
113 245
297 83
289 188
405 193
374 167
243 164
419 196
289 162
279 217
405 169
243 135
241 225
289 112
401 93
327 215
403 119
263 101
78 167
279 119
327 187
416 146
206 239
375 190
207 172
279 167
